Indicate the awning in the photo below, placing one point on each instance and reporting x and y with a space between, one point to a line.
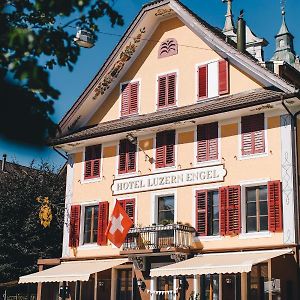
231 262
72 271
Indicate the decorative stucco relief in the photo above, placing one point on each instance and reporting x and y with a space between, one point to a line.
113 73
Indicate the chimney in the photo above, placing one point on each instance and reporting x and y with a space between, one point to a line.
241 33
3 162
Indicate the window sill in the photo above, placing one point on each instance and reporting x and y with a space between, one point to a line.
126 175
207 163
166 107
255 235
208 238
164 169
89 246
252 156
92 180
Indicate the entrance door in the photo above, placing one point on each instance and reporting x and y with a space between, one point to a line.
231 286
124 284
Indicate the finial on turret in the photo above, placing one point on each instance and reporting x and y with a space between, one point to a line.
282 7
229 25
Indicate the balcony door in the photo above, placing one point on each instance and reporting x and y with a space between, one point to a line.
165 210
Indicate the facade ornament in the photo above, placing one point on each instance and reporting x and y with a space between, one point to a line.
178 257
167 48
163 12
115 70
139 262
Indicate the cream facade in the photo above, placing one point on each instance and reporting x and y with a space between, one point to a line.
211 148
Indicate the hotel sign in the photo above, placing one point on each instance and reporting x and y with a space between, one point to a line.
167 180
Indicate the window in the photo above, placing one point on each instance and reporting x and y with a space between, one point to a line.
264 207
129 206
90 224
92 162
253 136
166 90
127 154
209 286
129 102
165 211
207 142
256 208
165 149
213 79
256 282
207 213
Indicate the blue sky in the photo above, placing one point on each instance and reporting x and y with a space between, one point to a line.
262 16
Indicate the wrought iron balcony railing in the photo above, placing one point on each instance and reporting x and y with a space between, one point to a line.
159 236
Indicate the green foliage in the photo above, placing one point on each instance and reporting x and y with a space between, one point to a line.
22 237
35 37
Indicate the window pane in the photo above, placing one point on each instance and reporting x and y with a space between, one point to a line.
90 224
216 227
251 194
264 223
263 208
166 210
251 209
251 224
263 193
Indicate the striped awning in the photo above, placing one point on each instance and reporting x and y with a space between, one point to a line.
72 271
219 263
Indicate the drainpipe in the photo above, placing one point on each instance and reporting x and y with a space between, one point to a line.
296 180
241 33
3 163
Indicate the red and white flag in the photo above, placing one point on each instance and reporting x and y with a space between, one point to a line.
118 226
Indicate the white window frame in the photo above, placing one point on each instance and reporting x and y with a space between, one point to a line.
176 71
96 179
256 155
244 234
208 162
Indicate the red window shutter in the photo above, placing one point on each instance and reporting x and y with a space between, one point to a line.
160 150
102 223
275 206
223 77
122 156
223 196
92 162
201 213
207 142
170 148
129 206
234 210
134 94
125 99
162 91
253 139
74 226
202 76
171 89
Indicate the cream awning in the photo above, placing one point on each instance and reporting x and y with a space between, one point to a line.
231 262
72 271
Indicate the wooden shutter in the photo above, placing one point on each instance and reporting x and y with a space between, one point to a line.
207 142
223 196
131 156
122 156
253 139
102 222
202 78
160 150
162 91
171 89
74 226
129 206
134 94
275 206
125 99
170 148
201 213
92 165
233 210
223 77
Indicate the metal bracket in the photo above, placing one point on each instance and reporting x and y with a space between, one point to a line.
139 262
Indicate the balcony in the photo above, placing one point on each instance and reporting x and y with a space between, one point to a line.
157 237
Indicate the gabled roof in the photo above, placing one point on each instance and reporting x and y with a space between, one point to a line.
183 113
134 40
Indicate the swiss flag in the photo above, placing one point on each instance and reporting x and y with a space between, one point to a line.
118 226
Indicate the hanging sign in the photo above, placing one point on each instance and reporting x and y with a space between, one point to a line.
168 179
